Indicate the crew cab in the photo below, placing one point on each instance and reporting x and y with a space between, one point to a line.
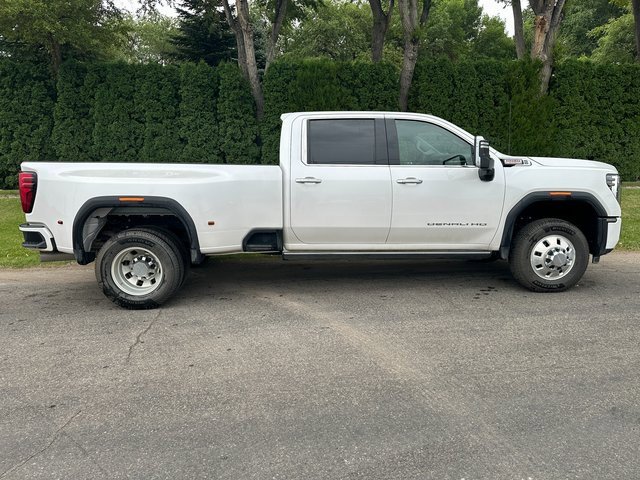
349 184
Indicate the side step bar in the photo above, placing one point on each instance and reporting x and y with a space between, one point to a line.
440 255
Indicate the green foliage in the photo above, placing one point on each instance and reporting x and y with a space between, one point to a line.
26 117
453 26
203 33
580 18
73 120
338 31
598 114
237 125
82 26
148 39
118 134
198 123
616 41
157 103
492 41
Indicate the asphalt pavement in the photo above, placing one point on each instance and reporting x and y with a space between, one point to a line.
264 369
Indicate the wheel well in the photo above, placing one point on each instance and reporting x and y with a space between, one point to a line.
580 213
120 220
101 217
583 214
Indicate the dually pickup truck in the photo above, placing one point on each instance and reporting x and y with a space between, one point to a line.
349 184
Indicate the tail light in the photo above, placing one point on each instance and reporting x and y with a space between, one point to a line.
28 182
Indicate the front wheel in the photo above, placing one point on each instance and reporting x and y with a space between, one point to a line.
140 269
549 255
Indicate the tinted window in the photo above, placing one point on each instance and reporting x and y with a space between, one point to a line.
422 143
342 142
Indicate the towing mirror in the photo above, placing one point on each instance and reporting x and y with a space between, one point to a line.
482 159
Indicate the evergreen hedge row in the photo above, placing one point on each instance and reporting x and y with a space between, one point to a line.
194 113
26 117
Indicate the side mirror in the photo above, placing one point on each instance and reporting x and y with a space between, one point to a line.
482 159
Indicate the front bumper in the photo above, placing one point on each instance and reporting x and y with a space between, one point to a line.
37 237
614 225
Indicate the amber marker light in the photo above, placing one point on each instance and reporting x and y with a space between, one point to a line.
131 199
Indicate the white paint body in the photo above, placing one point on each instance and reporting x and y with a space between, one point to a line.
354 209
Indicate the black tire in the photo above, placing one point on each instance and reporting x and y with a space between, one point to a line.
169 237
158 250
179 246
529 248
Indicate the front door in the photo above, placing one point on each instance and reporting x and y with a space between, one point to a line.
439 202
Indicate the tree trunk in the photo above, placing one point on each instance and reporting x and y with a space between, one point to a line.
636 18
56 54
406 74
518 28
278 21
252 67
411 24
381 23
233 23
547 24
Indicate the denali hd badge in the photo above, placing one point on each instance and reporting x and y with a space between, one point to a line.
456 224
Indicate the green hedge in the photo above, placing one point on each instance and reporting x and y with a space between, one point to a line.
26 117
597 114
194 113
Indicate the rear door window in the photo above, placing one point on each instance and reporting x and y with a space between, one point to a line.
342 142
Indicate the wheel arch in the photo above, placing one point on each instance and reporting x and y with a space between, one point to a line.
580 208
82 241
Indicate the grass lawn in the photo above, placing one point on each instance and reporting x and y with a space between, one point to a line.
13 255
630 238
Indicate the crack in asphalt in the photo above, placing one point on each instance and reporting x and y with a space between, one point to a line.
58 433
139 337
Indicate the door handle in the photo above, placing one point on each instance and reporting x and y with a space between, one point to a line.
407 180
308 180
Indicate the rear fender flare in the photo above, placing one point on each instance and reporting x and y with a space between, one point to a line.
84 257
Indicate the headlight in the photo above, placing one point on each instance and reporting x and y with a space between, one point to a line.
613 181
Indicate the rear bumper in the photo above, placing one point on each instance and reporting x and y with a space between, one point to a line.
37 237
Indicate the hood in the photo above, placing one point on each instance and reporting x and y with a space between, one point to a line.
572 162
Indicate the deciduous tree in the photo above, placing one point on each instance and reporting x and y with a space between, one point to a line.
87 26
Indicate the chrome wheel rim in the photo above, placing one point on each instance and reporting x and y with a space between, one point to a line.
137 271
553 257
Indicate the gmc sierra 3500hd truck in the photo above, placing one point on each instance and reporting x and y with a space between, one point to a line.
349 184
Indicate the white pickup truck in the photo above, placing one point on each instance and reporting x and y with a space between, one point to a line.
349 184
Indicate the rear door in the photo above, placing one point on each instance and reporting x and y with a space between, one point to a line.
341 183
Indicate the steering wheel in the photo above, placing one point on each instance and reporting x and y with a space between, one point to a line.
461 160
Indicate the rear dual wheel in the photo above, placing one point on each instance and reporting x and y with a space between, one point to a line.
141 268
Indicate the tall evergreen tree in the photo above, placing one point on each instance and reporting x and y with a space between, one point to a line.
204 33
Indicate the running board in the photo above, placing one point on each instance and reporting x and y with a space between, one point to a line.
440 255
